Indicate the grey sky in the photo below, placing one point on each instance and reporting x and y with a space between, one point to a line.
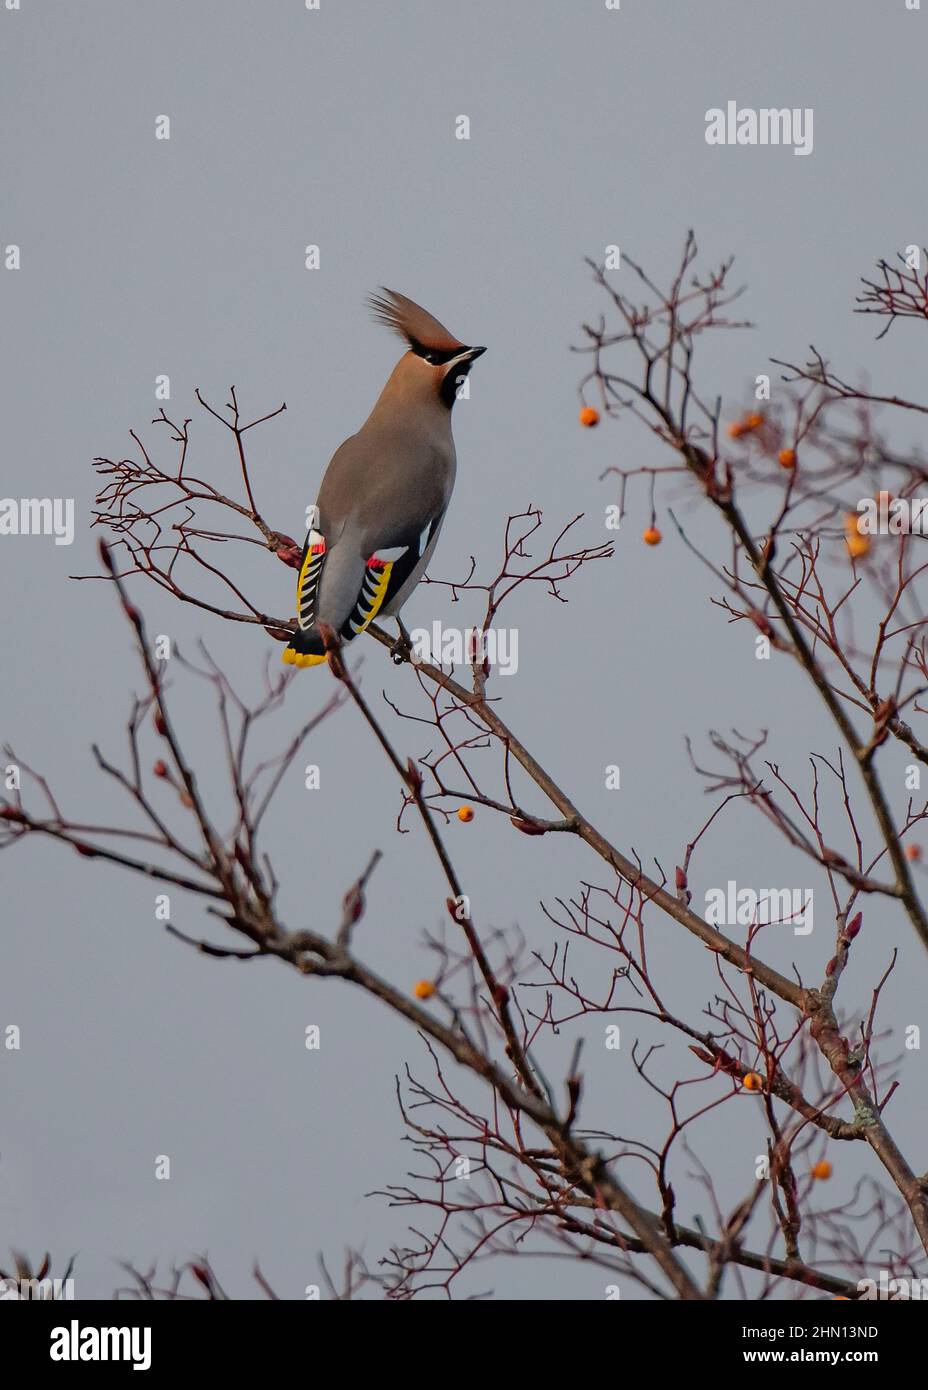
142 257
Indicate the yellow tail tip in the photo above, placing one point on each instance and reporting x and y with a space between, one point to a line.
293 658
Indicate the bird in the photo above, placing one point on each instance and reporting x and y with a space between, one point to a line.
385 492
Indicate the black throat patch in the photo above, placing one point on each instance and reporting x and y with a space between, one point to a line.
451 382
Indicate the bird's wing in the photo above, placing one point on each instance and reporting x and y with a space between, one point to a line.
307 585
375 520
386 571
360 586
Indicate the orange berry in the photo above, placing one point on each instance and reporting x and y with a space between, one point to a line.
652 536
858 546
465 813
855 524
913 853
745 425
753 1081
787 458
589 416
423 989
822 1170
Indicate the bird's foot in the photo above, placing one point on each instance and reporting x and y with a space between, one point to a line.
402 648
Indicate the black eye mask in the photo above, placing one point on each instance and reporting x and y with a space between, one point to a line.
433 356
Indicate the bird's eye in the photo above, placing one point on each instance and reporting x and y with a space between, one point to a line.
429 357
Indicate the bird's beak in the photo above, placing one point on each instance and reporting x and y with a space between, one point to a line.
473 353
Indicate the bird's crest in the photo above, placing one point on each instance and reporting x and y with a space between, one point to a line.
421 331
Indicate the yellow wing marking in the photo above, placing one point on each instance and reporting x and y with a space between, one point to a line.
373 593
308 580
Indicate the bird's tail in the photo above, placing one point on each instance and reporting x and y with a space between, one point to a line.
305 648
